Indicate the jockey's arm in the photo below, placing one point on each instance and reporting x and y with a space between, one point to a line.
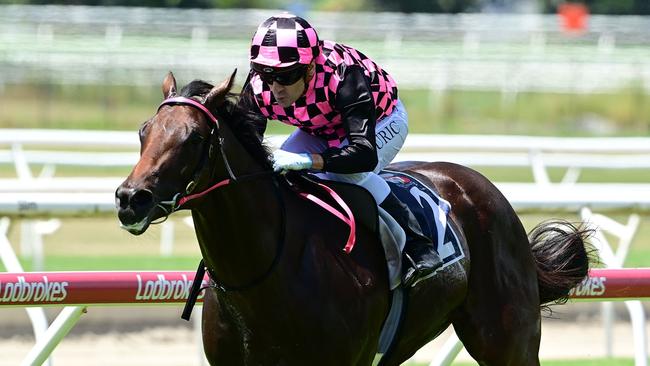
355 103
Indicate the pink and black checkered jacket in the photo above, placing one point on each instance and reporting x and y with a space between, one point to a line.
347 95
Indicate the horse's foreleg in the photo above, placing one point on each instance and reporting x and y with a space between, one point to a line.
221 342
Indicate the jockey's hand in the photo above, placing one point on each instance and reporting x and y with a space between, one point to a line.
284 160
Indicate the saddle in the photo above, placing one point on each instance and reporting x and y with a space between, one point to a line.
429 208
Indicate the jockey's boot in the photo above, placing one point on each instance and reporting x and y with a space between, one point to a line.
419 260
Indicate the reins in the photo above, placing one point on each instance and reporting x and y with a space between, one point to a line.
181 199
215 138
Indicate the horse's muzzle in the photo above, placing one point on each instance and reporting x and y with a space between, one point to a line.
133 208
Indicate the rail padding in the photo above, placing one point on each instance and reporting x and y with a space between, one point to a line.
95 288
172 287
614 284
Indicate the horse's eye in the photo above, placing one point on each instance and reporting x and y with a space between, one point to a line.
141 134
142 131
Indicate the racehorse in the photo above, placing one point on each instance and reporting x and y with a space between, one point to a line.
285 293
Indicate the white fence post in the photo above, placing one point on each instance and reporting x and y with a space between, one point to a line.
31 239
625 234
11 263
448 352
20 162
540 174
54 334
167 238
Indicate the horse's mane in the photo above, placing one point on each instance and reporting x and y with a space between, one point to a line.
236 112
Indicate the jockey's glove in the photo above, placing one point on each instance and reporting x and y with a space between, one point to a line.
285 160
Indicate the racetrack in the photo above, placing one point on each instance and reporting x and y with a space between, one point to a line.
130 337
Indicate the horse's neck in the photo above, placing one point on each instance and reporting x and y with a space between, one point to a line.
238 225
239 230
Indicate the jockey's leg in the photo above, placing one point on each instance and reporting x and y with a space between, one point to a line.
420 260
300 141
390 134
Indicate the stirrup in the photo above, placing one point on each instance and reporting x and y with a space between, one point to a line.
413 275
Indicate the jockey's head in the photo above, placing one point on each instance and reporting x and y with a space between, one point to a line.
282 54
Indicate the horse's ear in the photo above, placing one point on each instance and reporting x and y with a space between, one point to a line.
169 86
217 95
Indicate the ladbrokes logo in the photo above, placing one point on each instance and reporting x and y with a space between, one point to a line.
163 289
590 286
41 291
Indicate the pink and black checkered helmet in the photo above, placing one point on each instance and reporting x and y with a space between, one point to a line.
284 40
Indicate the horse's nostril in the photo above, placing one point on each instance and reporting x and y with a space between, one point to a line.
141 198
123 196
131 198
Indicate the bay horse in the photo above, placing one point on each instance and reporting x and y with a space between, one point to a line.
288 295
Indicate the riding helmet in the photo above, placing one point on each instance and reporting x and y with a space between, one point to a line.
284 40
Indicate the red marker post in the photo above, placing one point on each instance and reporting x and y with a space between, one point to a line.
574 17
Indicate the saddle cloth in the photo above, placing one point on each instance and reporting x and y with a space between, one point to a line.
431 211
428 207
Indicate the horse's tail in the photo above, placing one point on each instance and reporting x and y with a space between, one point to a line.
562 258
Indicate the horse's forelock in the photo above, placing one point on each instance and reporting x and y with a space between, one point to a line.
196 88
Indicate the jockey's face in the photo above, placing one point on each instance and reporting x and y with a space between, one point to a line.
288 86
286 95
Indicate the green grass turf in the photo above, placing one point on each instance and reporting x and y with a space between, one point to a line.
590 362
495 174
114 263
622 113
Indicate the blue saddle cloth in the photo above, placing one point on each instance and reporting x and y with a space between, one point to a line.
431 211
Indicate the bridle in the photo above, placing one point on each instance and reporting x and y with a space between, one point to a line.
180 199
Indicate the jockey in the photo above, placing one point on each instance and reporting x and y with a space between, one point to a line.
350 122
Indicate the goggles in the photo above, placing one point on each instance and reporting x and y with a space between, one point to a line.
286 76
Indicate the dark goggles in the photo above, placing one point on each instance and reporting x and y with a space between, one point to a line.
287 76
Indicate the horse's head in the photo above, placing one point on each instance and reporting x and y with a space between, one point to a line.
174 147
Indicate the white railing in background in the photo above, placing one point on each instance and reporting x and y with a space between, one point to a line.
504 52
45 194
473 150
